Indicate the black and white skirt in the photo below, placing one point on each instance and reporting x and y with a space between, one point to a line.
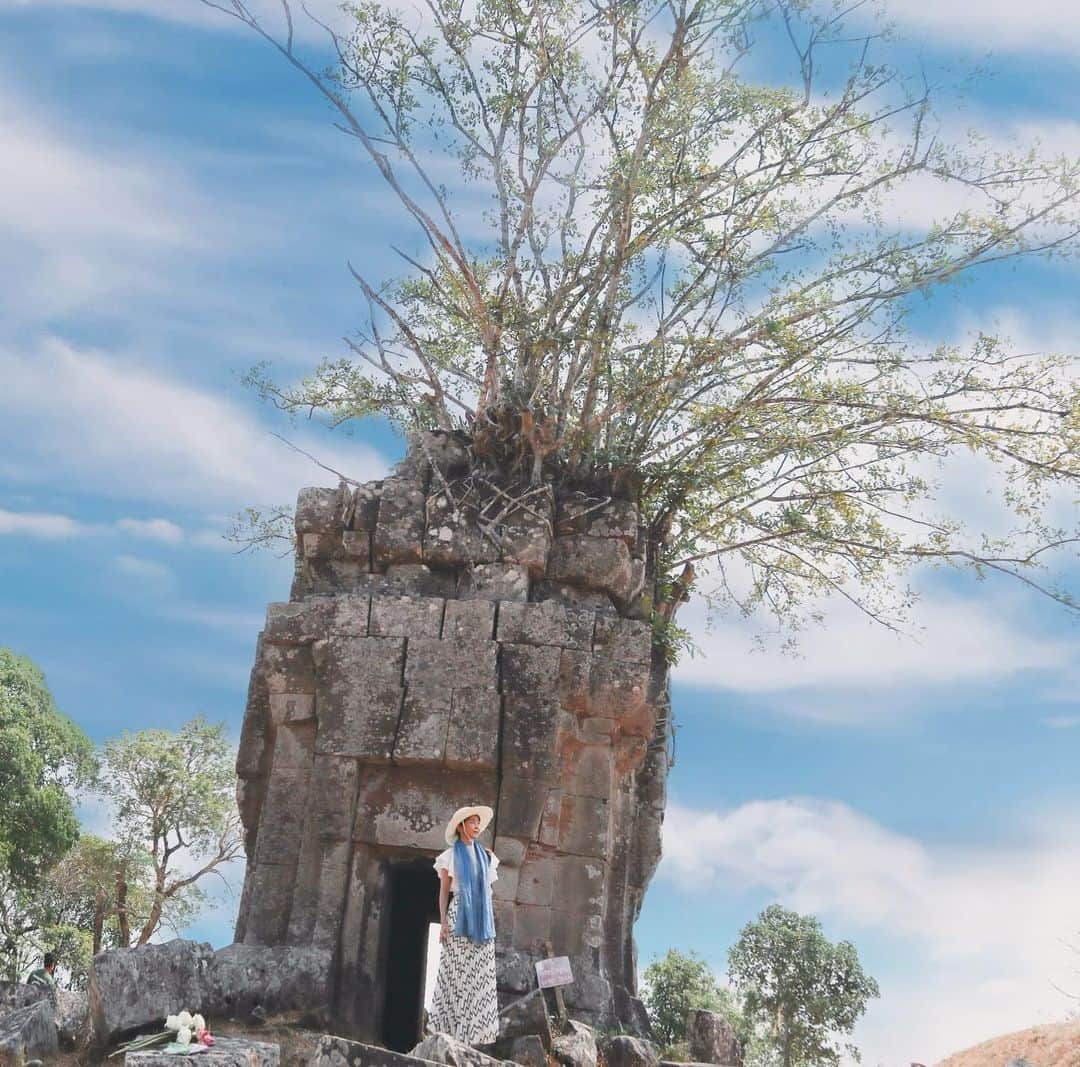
465 1004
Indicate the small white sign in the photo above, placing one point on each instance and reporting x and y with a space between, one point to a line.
554 971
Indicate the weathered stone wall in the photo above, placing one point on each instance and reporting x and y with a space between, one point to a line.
419 666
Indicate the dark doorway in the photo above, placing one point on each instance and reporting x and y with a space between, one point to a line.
413 906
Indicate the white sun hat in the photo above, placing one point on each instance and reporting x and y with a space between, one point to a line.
459 816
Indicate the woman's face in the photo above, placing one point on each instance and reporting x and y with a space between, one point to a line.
469 828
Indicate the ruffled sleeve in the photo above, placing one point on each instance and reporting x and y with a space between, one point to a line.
493 867
444 861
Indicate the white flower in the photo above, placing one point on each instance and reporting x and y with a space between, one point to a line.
184 1018
183 1036
172 1022
198 1023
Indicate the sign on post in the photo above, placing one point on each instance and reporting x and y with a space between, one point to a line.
554 972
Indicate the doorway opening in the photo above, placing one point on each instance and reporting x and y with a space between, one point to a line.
413 907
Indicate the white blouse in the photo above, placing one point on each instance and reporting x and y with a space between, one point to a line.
444 861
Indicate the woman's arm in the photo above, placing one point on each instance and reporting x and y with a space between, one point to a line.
444 900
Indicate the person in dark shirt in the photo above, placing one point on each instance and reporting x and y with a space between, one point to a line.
44 976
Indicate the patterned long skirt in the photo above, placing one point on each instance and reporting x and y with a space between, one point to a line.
465 1004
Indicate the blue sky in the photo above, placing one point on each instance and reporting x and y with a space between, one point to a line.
175 206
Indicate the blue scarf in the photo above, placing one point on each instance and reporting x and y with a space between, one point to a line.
474 918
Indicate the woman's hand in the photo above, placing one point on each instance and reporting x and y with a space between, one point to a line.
444 932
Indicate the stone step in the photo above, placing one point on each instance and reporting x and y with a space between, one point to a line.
225 1052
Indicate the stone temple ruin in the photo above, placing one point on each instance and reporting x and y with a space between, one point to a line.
451 641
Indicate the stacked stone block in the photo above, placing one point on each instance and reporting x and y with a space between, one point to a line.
446 643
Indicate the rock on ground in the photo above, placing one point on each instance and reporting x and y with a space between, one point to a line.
28 1033
135 988
710 1039
576 1045
442 1048
338 1052
526 1016
226 1052
528 1051
72 1017
625 1051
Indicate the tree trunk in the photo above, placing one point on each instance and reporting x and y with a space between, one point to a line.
121 908
99 919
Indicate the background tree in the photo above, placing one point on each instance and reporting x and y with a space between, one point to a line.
677 984
174 797
73 909
805 992
44 757
695 291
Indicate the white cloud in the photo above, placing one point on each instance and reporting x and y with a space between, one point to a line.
80 221
145 570
196 13
1037 26
242 623
959 640
1062 722
122 430
153 529
39 524
982 928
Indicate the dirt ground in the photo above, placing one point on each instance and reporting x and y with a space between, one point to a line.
1052 1045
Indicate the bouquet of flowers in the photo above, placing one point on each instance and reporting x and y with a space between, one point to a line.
184 1034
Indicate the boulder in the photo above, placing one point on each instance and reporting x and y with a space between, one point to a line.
338 1052
19 994
710 1039
278 979
28 1033
626 1051
135 988
72 1017
226 1052
529 1052
524 1017
442 1048
576 1045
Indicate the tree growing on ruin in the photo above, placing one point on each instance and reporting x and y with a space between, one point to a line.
173 796
804 993
662 280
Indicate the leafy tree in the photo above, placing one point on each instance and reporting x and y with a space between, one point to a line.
695 291
806 992
677 984
43 758
174 796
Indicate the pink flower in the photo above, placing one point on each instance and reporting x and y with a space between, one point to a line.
204 1037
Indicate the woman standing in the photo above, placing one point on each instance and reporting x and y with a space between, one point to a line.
465 1004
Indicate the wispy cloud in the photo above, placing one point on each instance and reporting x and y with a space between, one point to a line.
38 524
1039 26
145 570
1062 722
983 919
153 529
958 640
52 526
196 13
124 431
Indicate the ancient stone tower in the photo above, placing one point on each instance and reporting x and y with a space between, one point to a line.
451 641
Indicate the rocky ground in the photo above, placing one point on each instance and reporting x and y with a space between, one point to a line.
1052 1045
